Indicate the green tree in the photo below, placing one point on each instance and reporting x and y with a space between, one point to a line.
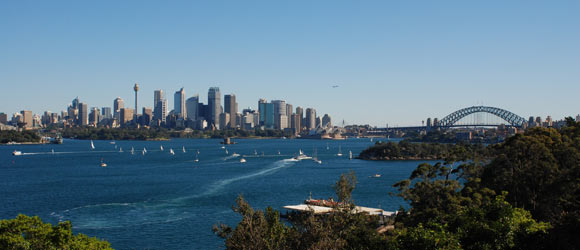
25 232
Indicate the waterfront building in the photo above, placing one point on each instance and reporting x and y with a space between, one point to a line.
296 123
214 104
289 112
179 104
94 116
231 107
83 114
147 116
279 111
118 104
326 121
191 105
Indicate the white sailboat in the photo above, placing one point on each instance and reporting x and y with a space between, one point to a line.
120 149
315 158
350 155
339 151
132 150
52 151
171 151
183 149
144 151
161 147
196 157
227 151
255 152
92 145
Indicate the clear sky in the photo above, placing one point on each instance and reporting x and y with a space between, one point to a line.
396 62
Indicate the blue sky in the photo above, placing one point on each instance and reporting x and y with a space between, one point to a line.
396 62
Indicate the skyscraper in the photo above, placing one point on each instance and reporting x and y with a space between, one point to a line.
159 106
214 100
231 107
280 118
326 121
94 116
83 114
118 104
106 112
179 104
26 118
289 110
192 107
126 115
310 118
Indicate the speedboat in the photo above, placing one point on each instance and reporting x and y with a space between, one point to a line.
235 155
103 164
375 176
301 156
16 152
242 160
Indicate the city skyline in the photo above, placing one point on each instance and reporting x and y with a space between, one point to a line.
394 63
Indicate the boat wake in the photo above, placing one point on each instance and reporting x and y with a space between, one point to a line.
116 215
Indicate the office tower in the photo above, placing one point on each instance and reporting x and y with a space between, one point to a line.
300 113
136 88
224 120
83 114
549 121
280 110
179 104
318 121
214 100
94 116
310 118
147 116
428 122
118 104
326 121
435 122
289 110
75 103
191 105
126 115
36 121
539 121
262 111
54 118
106 113
159 106
231 107
3 118
46 118
26 119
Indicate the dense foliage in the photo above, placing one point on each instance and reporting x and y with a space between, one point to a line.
7 136
25 232
525 196
90 133
405 150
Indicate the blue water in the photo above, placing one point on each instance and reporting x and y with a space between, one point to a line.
164 201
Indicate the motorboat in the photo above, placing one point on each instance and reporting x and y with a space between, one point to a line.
375 176
339 152
301 156
235 155
242 160
120 150
103 164
16 152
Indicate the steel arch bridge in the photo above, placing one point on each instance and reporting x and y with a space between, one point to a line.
511 118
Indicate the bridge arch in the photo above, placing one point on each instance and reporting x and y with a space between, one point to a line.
511 118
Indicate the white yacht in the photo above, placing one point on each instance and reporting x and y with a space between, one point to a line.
16 152
301 156
242 160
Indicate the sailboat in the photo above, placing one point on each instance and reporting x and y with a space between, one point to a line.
92 145
183 149
278 151
144 151
52 151
171 151
196 157
120 149
339 151
227 151
315 158
255 152
350 155
161 147
327 147
132 150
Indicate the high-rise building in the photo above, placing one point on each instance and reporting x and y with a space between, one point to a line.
435 122
214 100
262 110
310 118
106 113
191 105
300 113
83 114
280 114
296 123
126 115
27 119
549 121
231 107
539 121
179 104
94 116
118 104
224 120
159 106
326 121
289 110
147 116
75 103
578 118
3 118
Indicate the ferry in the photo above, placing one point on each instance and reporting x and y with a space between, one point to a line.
16 152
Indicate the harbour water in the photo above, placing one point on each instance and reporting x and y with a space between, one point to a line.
158 200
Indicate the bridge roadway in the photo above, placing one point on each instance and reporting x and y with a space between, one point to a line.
382 130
